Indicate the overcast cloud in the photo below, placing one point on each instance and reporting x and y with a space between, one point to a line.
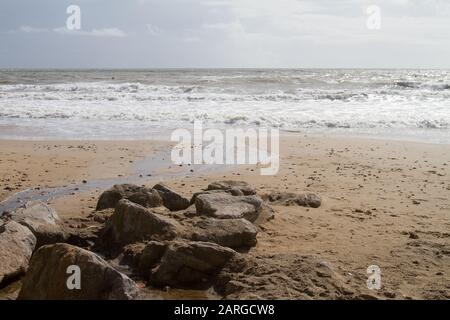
224 33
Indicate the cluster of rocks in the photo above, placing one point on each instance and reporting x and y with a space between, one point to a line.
162 237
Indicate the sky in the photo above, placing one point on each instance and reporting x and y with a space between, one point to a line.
226 34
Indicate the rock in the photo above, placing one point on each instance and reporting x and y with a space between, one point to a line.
83 237
284 276
171 200
142 257
35 214
225 206
140 195
413 235
287 198
150 257
101 216
233 192
148 199
50 234
191 211
131 255
132 223
196 194
308 200
42 220
236 187
110 197
190 264
47 276
17 243
232 233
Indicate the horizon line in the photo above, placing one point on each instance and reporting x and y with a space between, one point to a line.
211 68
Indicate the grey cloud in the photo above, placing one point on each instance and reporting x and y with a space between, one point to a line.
225 33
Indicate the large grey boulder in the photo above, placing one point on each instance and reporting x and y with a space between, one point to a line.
137 194
233 187
232 233
35 214
48 276
226 206
171 200
17 243
42 220
188 264
133 223
233 192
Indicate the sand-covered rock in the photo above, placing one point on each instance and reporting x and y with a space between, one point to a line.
232 233
236 187
226 206
171 200
17 243
287 199
284 276
188 264
132 223
47 276
265 214
141 195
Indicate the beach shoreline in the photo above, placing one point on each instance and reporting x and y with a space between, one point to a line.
384 202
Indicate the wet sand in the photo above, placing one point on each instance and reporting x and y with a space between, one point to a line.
385 203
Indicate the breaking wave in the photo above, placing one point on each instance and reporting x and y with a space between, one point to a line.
104 101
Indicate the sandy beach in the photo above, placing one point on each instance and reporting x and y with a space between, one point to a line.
384 203
255 155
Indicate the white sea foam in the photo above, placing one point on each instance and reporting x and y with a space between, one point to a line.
137 103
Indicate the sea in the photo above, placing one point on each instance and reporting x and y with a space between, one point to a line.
141 104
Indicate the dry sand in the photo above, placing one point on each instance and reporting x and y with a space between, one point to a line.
385 203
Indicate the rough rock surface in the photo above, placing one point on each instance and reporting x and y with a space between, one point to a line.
232 233
236 187
143 257
196 194
131 254
50 234
47 276
132 223
84 237
17 243
225 206
286 198
150 256
35 214
137 194
171 200
190 264
146 198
